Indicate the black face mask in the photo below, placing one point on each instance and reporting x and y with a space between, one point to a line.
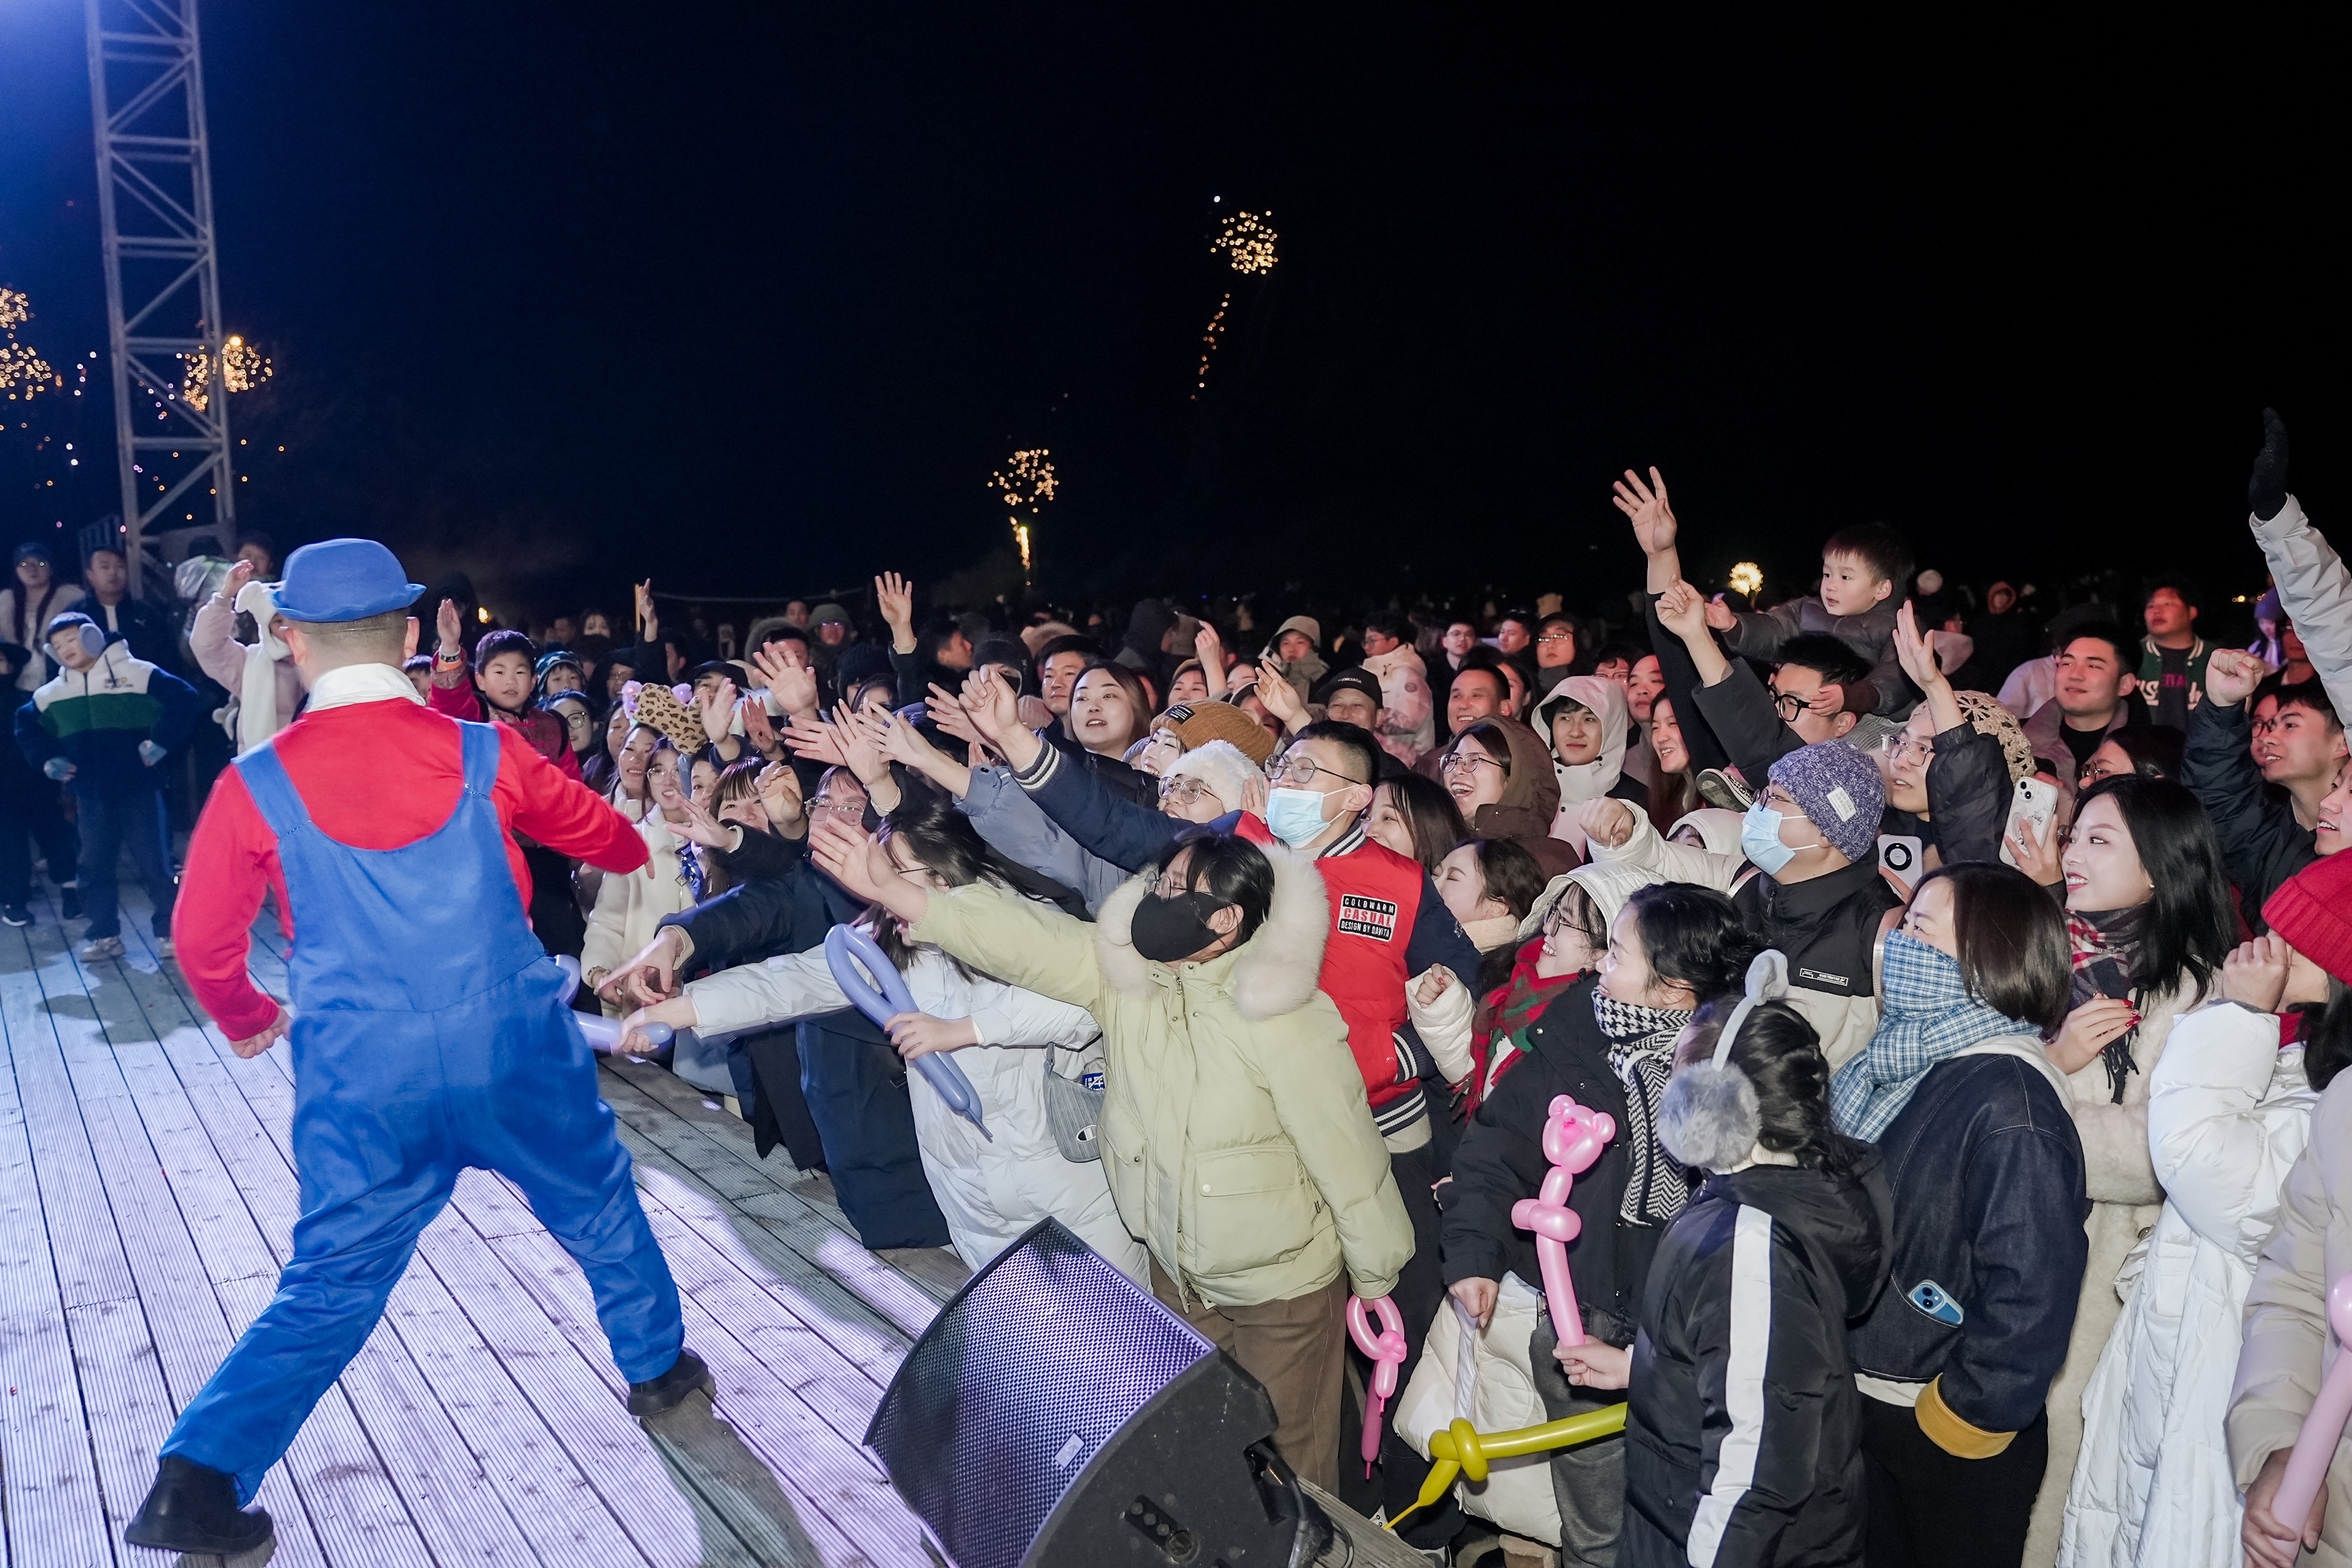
1167 929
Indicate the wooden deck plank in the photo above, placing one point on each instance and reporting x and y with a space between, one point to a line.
751 1399
49 1477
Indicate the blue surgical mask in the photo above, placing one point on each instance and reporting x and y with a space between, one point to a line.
1295 815
1760 840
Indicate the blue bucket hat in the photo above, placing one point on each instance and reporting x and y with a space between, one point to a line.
344 580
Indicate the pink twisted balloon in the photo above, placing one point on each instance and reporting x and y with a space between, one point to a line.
2323 1428
1387 1351
1572 1138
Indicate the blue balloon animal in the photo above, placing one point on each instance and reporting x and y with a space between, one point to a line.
604 1034
845 948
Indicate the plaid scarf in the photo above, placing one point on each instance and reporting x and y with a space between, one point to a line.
1926 1016
1642 1054
2106 944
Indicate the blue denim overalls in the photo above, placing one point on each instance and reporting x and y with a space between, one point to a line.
428 1037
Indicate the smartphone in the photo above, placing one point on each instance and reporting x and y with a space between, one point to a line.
1901 860
2034 806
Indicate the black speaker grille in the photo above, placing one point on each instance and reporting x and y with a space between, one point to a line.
983 1442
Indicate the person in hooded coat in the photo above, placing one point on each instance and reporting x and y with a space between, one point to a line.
1586 722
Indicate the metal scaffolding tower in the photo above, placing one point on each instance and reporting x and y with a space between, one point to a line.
163 276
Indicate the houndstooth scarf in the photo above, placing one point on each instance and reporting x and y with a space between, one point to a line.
1642 1054
2106 949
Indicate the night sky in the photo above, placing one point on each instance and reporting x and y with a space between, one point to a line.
753 298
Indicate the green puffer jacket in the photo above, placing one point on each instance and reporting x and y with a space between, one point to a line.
1235 1129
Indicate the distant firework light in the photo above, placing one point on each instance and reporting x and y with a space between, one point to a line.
1025 485
1246 241
24 374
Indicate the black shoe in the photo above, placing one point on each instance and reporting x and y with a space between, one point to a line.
667 1391
192 1508
15 915
70 901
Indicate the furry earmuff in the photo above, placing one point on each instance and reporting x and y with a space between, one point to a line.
1709 1117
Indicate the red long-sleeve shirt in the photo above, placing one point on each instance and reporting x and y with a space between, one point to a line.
375 775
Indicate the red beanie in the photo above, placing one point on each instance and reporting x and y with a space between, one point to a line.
2313 910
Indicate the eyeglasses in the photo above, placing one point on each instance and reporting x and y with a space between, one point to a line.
1465 760
1184 792
1788 705
839 807
1557 636
1302 771
1901 747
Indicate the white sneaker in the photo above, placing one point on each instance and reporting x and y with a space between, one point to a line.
99 948
163 948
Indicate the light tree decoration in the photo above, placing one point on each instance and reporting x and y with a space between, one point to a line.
1746 578
1026 485
243 368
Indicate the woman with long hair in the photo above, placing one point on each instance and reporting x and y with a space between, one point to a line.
629 907
1490 884
1416 817
1958 1353
1019 1049
2149 926
1673 783
32 596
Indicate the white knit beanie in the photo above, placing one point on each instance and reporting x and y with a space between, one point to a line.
1222 767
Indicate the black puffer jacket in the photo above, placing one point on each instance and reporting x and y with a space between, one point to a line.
1743 1442
1828 926
1501 1160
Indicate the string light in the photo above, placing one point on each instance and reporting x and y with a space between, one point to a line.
1746 578
1027 482
23 372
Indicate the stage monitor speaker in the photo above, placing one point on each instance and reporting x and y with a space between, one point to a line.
1054 1413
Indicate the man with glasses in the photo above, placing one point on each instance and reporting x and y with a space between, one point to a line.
2268 801
1817 692
1555 651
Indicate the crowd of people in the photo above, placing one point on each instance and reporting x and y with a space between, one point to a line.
1966 984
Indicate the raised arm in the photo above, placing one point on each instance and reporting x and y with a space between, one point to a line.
2314 588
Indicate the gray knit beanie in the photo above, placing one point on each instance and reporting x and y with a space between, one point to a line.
1839 790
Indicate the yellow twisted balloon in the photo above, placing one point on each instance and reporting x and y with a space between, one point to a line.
1460 1449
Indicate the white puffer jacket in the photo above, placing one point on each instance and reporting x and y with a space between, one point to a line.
991 1189
2227 1112
630 906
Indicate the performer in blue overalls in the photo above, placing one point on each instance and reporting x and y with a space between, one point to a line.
429 1035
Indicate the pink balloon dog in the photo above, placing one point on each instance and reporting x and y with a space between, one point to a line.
1387 1351
1572 1138
2315 1446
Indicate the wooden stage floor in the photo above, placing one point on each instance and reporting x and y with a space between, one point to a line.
147 1192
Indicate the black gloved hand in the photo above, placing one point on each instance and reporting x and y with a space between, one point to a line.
2266 490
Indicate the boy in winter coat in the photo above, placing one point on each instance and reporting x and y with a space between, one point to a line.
99 726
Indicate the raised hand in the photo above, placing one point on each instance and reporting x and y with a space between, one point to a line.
2088 1029
1914 652
1644 505
2266 487
238 576
1281 700
1210 649
856 735
902 743
448 627
756 728
717 709
2037 855
946 710
815 739
895 597
647 622
840 849
780 796
2255 973
2232 675
1720 615
1608 823
1682 610
995 712
701 827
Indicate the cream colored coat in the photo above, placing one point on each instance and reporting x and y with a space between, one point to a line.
1235 1129
630 906
2124 1202
2287 1346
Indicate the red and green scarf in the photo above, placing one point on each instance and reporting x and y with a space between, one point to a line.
1497 1038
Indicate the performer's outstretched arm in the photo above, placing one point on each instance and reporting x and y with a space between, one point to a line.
562 813
232 861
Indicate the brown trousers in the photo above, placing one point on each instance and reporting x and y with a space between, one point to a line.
1297 1348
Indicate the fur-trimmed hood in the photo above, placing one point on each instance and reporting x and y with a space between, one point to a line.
1274 972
